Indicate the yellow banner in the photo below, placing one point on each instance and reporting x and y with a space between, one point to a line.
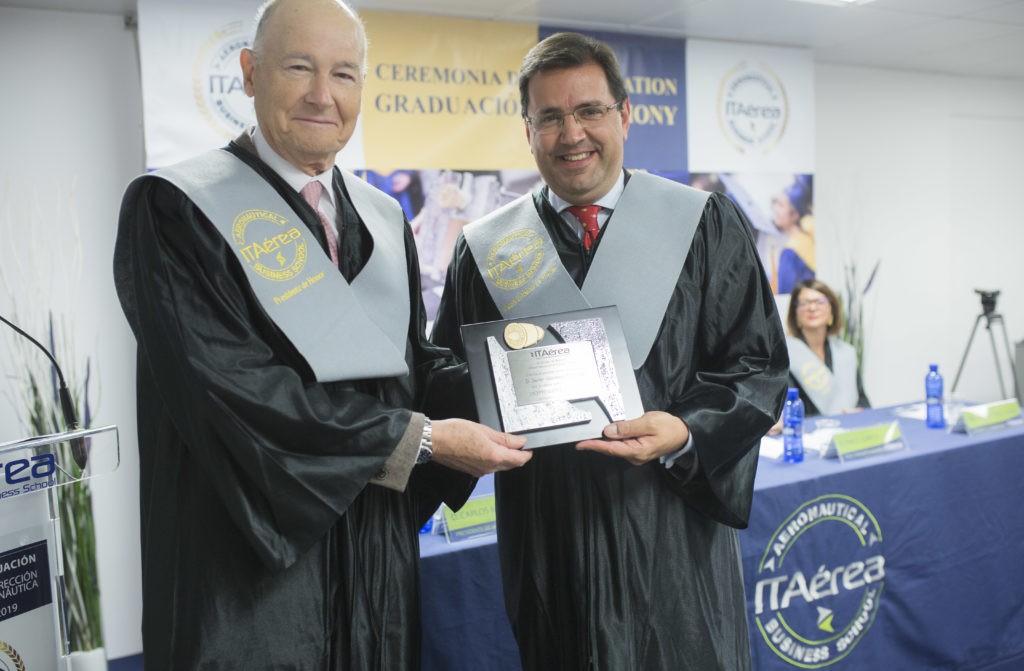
442 93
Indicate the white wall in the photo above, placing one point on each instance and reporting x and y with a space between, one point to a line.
919 171
923 172
70 140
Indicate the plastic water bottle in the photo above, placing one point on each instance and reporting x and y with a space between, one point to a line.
933 398
793 428
435 525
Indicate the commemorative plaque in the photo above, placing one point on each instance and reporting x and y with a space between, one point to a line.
557 378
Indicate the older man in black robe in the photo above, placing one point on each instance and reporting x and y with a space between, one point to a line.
284 473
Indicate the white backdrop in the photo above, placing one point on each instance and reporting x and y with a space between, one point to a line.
768 79
920 171
72 139
923 172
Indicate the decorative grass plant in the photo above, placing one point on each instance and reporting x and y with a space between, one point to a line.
74 501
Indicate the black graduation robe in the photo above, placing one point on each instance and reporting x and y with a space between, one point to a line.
263 545
616 567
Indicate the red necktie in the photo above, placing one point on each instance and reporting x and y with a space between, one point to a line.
587 215
311 192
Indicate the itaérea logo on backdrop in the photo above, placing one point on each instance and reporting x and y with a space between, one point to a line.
812 611
217 81
752 108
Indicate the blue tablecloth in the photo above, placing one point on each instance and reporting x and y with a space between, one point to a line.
910 560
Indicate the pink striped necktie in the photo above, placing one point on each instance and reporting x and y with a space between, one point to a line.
587 215
312 192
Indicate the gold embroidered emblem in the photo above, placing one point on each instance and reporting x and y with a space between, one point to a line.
814 376
515 259
268 246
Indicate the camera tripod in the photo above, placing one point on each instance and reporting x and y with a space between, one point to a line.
989 314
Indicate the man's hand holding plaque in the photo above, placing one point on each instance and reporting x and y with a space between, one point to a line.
557 378
646 438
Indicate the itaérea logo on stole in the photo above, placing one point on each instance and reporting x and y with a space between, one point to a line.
814 376
812 611
514 260
268 245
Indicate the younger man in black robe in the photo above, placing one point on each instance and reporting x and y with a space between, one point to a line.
278 531
622 554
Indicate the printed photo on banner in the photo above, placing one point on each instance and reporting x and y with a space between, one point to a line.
439 202
780 208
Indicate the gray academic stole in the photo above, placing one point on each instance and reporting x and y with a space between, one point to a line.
831 390
635 267
344 331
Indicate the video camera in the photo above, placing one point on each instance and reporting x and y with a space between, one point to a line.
988 301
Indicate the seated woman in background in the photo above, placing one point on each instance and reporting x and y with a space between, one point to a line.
823 367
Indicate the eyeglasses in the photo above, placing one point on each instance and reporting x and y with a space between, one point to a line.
586 116
812 303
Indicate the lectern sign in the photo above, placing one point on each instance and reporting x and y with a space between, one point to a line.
27 623
24 580
28 474
33 628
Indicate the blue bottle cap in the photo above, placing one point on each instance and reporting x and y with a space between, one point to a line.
793 394
933 367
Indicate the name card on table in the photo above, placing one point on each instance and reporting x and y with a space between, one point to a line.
476 518
988 416
866 442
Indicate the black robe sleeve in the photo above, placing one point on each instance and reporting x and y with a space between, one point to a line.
736 374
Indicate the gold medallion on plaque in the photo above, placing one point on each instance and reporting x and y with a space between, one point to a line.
522 334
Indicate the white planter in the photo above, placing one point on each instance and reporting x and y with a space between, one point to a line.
93 660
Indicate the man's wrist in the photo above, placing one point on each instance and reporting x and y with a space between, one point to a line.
669 460
426 451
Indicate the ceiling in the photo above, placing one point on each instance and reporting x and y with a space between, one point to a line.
972 38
